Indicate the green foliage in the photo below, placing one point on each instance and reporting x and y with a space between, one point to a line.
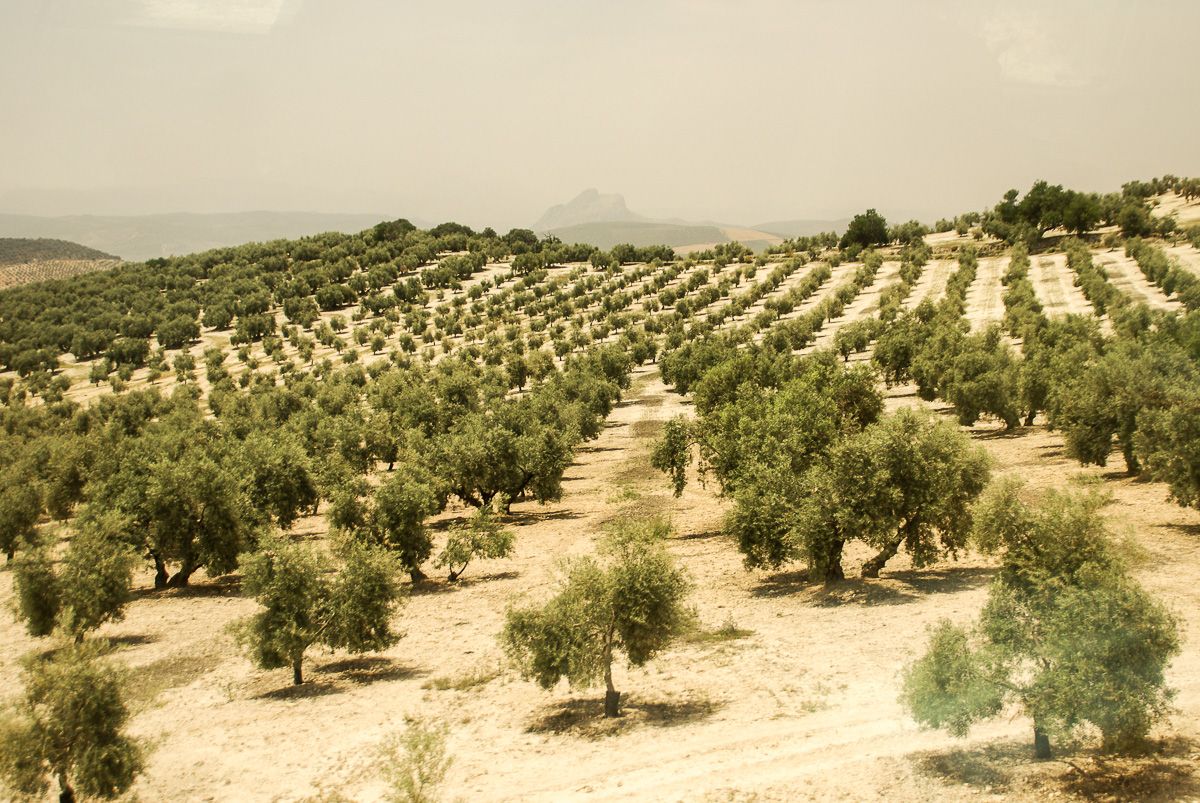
948 686
68 727
866 229
182 491
855 337
907 480
1066 633
396 517
631 601
305 603
671 453
20 507
416 763
481 536
36 591
1168 443
92 585
984 378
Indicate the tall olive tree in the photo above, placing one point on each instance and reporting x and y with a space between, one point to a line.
305 602
67 729
1067 634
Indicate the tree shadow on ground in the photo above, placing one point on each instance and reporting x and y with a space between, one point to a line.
700 536
1186 530
859 591
304 691
585 717
525 518
128 640
1118 474
891 588
229 585
596 449
1001 434
782 584
441 585
942 579
364 670
990 767
1165 771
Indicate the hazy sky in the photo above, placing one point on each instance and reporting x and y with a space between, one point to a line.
488 112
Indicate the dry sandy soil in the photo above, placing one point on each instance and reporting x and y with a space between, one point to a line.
1126 276
1053 282
802 705
1188 256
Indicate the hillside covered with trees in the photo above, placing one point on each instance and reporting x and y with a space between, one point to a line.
849 486
15 250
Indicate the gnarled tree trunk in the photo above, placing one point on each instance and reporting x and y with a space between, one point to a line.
1041 743
297 670
160 572
833 562
872 567
182 577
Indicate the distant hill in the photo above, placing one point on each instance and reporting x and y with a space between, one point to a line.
603 220
639 233
141 237
16 250
588 206
788 229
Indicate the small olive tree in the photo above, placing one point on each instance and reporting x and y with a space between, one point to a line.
1066 633
415 762
395 519
68 728
91 586
306 602
481 536
20 507
632 601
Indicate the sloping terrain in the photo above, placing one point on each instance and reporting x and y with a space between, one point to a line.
788 690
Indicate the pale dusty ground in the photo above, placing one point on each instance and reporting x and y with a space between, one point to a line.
803 707
985 296
1188 256
1125 274
1054 284
1186 213
932 283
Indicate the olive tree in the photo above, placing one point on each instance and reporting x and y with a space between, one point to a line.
20 508
905 480
395 517
480 537
632 600
1066 634
67 728
984 378
91 586
306 602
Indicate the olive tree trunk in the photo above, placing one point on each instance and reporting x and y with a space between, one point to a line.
1041 743
612 697
872 567
66 794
